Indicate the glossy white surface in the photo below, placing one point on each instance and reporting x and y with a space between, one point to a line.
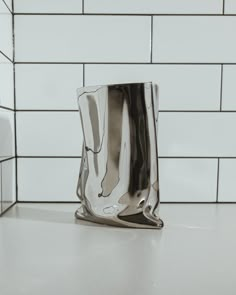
194 39
6 83
188 180
9 3
181 87
8 183
64 38
45 6
7 138
197 134
229 90
230 6
48 179
45 251
227 189
49 134
6 45
46 86
153 6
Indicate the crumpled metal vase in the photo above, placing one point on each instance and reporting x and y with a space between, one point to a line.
118 181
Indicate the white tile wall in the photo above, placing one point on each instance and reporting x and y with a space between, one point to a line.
48 86
7 133
48 6
7 120
181 87
49 134
9 4
64 38
227 176
6 83
50 179
229 89
197 134
6 31
188 180
194 39
154 6
230 6
187 47
8 183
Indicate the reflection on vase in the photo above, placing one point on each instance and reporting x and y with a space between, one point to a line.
118 182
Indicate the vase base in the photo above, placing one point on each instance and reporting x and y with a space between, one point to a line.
130 221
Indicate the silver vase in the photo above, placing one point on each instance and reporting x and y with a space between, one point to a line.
118 181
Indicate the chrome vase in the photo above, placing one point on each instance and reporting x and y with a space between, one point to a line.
118 181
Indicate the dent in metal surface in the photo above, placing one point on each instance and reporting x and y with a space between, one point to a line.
118 182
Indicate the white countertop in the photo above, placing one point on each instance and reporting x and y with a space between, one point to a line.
45 251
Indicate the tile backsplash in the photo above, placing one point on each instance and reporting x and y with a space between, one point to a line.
7 109
187 46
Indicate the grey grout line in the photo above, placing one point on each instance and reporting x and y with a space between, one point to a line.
197 111
7 6
6 55
221 86
35 110
162 202
128 14
49 202
160 111
124 63
82 6
195 203
151 41
49 157
83 75
6 108
12 205
7 159
159 157
217 183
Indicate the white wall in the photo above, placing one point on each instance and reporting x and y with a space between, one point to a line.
7 117
187 46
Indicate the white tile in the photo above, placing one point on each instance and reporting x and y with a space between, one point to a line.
207 39
6 83
181 87
48 86
227 176
153 6
188 180
2 58
8 183
7 131
230 6
48 179
49 134
9 3
82 38
6 44
45 6
197 134
229 90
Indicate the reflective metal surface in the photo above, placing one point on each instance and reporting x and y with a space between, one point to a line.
118 181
